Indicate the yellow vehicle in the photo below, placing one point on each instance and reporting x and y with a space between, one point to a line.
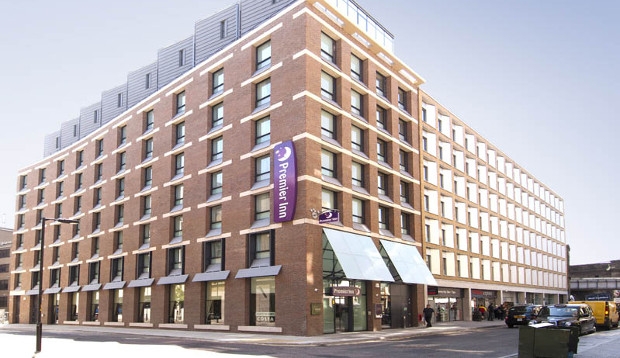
605 312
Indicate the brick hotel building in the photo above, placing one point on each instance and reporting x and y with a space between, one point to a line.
199 186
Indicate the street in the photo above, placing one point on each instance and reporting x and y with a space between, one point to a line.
497 342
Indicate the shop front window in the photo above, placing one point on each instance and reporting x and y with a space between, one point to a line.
215 302
144 305
117 307
263 301
176 304
74 298
94 306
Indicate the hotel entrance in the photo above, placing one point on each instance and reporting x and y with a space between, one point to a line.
344 306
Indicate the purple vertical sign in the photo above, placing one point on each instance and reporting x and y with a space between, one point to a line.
285 186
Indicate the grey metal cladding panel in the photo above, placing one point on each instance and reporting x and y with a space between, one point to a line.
69 132
109 102
255 12
168 61
49 146
136 84
207 33
87 123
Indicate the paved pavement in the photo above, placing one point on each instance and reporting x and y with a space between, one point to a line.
328 339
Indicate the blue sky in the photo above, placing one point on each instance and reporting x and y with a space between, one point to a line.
538 79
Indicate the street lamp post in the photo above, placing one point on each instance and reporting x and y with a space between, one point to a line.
39 299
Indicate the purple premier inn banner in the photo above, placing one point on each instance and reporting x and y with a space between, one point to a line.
285 187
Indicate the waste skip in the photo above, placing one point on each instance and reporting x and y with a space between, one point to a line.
548 341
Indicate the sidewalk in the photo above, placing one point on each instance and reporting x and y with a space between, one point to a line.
327 339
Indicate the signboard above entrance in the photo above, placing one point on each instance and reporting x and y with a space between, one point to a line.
285 188
344 291
329 216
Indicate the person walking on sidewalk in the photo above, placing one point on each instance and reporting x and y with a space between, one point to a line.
428 315
491 311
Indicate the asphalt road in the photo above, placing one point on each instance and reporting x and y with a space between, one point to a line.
496 342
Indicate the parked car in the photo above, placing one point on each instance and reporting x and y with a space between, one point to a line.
604 312
521 315
567 315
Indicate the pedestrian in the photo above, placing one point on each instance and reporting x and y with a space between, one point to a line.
428 315
491 311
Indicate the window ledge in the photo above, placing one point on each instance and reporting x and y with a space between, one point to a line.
331 141
260 146
360 190
261 184
361 154
260 223
387 233
214 163
260 329
331 180
212 327
214 232
172 325
361 227
385 198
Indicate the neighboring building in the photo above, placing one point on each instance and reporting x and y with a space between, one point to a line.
599 281
6 240
200 204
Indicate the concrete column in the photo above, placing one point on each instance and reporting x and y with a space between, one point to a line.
500 297
467 309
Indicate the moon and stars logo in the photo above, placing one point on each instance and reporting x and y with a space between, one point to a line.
283 153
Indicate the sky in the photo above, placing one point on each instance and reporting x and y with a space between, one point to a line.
538 79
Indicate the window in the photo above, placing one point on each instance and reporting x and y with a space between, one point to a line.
95 116
179 164
94 246
402 99
217 149
181 57
57 142
263 93
263 168
145 232
42 170
23 182
214 256
423 114
403 130
118 242
175 261
261 207
404 193
122 135
178 226
178 195
381 118
96 221
328 48
381 150
119 100
179 133
426 202
357 174
216 183
260 249
22 202
21 221
122 161
263 55
147 177
78 181
97 197
146 206
61 167
328 200
144 266
358 211
216 217
425 172
60 186
147 81
382 183
356 103
328 125
93 273
403 160
217 115
383 218
356 68
263 130
180 102
98 172
357 139
328 86
381 85
99 148
218 81
149 120
120 188
328 163
222 29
